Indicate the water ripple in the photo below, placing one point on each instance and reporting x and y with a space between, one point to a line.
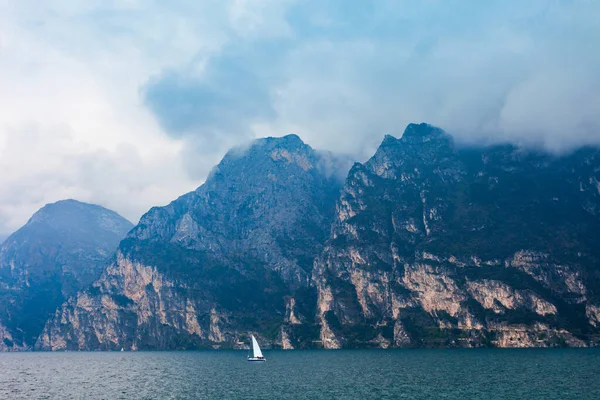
368 374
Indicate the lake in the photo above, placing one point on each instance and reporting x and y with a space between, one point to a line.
318 374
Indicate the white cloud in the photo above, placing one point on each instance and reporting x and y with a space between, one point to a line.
73 124
524 72
43 165
74 79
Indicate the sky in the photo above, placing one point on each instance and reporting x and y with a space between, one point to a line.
129 103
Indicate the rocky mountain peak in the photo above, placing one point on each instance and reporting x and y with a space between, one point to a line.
289 142
259 199
389 140
262 146
237 253
62 249
72 215
262 157
423 133
416 135
493 242
421 145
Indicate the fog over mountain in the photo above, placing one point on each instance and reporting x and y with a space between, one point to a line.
99 116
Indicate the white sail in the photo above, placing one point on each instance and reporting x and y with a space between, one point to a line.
256 348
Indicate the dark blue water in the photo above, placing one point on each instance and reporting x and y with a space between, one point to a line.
368 374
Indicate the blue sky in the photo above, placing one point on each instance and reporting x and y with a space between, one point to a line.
129 103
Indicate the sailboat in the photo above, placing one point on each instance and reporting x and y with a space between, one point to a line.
257 354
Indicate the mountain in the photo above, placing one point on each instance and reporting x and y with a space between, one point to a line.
437 246
61 250
425 245
234 256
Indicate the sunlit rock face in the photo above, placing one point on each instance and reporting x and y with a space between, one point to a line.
232 258
62 249
434 245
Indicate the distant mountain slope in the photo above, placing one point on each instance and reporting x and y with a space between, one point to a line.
62 249
434 246
234 256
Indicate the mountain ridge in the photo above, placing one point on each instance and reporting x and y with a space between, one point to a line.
429 237
426 244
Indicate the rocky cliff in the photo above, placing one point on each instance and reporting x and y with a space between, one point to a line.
437 246
234 256
424 245
62 249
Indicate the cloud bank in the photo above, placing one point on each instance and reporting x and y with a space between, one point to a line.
130 103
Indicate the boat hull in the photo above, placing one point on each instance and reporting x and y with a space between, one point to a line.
253 359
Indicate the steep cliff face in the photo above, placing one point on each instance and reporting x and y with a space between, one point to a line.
426 245
233 257
61 250
434 246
